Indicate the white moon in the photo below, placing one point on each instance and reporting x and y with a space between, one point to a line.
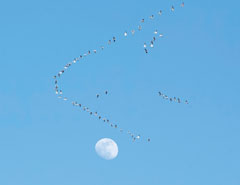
106 148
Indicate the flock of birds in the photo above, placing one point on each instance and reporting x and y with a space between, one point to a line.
59 91
174 99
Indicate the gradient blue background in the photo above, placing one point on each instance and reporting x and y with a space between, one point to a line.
45 141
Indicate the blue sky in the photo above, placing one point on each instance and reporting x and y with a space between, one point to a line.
47 141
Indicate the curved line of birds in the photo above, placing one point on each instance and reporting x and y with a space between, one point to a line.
85 108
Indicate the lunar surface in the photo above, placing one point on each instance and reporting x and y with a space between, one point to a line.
106 148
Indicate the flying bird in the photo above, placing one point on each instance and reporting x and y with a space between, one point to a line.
151 45
179 101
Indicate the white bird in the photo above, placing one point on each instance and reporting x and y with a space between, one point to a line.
151 17
65 99
144 45
160 12
151 45
95 51
160 35
172 8
155 32
125 33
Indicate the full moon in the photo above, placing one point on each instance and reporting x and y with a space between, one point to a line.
106 148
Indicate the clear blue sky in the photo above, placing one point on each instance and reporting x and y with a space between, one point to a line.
44 141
